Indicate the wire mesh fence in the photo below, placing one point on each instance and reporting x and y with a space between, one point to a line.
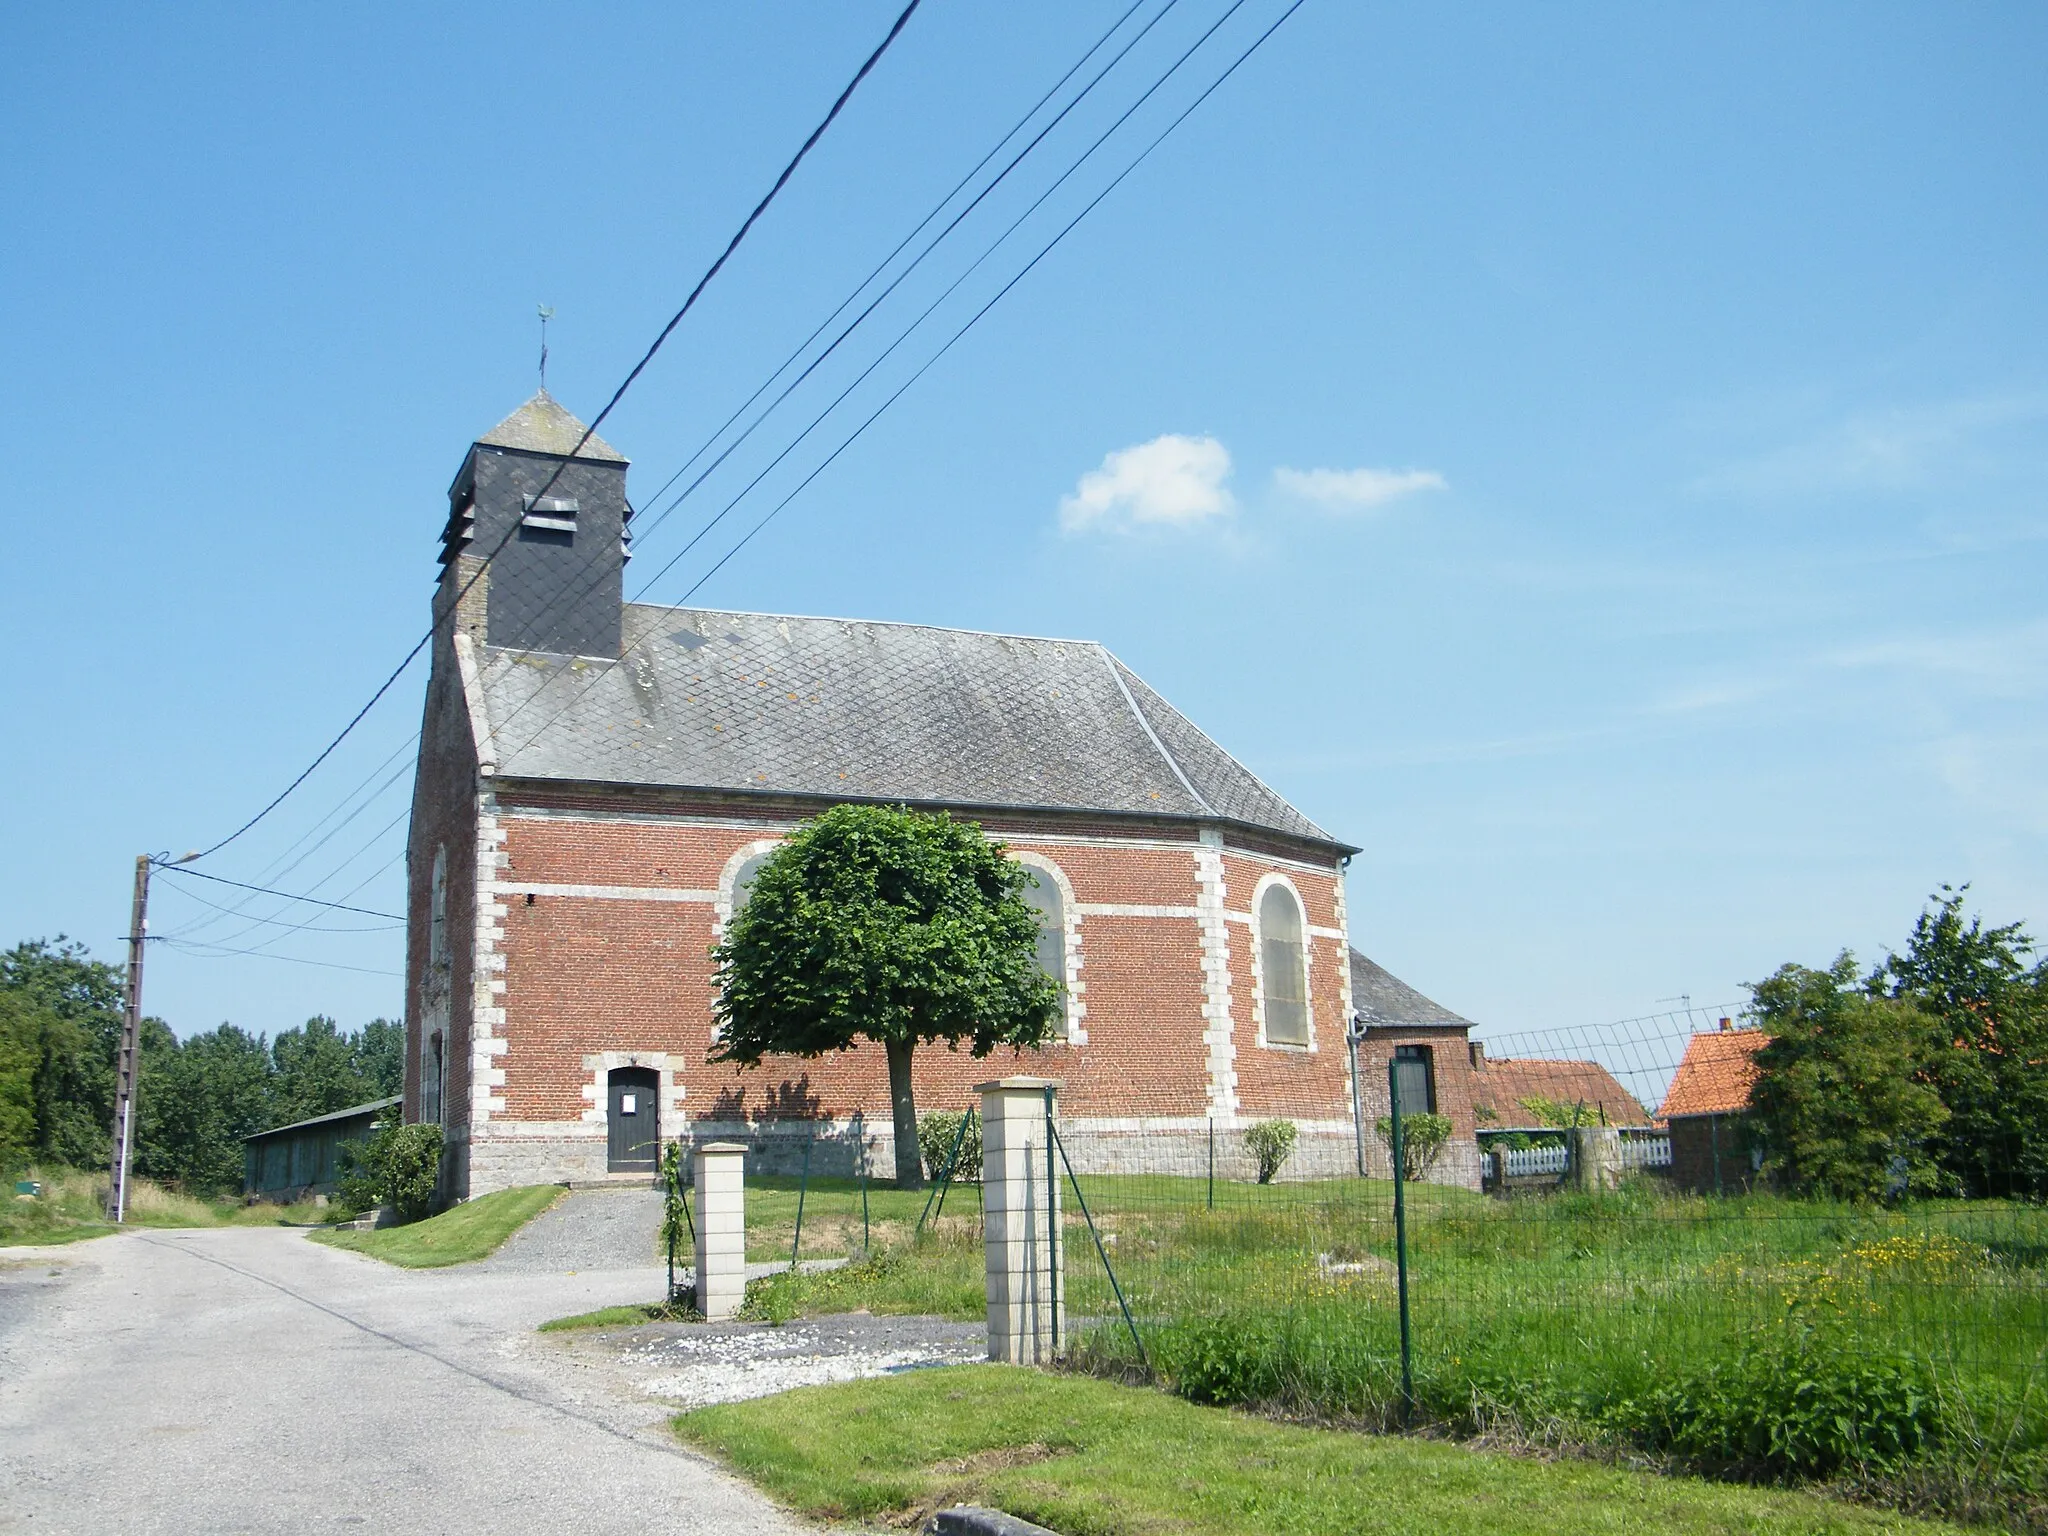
1587 1248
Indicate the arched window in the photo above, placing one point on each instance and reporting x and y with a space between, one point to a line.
1283 972
743 879
437 910
1042 895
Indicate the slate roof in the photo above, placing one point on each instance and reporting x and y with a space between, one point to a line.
1503 1082
1389 1002
857 710
545 425
1716 1074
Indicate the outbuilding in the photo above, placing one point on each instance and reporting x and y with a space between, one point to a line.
292 1162
1708 1111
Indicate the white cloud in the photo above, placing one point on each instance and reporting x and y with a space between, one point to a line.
1356 489
1173 480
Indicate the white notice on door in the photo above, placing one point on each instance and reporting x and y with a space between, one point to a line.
629 1103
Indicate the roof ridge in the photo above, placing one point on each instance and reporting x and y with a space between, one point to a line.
833 618
1235 761
1116 672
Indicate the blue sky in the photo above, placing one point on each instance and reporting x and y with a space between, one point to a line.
1591 457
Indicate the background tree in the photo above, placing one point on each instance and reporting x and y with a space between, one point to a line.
1840 1106
21 1043
379 1050
318 1071
1990 1062
888 925
210 1092
78 1002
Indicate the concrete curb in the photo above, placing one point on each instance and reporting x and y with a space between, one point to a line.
972 1520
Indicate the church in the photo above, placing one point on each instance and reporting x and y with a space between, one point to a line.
598 780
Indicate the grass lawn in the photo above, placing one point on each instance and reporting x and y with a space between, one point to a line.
614 1317
832 1215
1086 1456
476 1229
1637 1318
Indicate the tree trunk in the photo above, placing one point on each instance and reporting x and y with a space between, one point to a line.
903 1103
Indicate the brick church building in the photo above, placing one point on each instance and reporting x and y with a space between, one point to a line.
598 781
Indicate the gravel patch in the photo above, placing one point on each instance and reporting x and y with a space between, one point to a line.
588 1229
695 1365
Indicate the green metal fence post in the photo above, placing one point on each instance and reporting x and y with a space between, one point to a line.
1102 1252
1401 1240
861 1152
946 1174
802 1188
1212 1162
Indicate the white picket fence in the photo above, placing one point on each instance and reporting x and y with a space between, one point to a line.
1637 1152
1646 1151
1534 1162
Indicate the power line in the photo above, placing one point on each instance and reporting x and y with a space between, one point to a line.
972 320
313 901
618 394
309 926
218 952
914 263
661 517
947 293
1012 283
284 863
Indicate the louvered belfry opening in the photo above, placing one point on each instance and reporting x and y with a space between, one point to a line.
554 529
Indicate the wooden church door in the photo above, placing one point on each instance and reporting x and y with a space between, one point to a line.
633 1140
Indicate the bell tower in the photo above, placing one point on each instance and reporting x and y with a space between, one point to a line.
555 582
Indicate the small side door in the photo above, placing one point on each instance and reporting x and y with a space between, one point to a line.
633 1140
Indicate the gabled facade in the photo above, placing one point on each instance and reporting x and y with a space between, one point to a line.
1707 1108
598 780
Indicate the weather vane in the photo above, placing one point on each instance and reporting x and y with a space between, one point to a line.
547 313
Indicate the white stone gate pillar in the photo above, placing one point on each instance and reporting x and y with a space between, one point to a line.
1020 1186
721 1229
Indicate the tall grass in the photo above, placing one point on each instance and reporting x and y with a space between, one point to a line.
73 1207
1754 1336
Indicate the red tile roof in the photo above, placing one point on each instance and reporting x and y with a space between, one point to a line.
1716 1074
1504 1082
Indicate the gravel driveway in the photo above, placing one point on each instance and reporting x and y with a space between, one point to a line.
587 1229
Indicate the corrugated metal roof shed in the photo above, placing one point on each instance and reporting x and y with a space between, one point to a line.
290 1161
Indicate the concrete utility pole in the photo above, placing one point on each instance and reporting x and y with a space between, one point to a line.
131 1042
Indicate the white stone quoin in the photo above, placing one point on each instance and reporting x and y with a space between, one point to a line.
721 1229
1027 1311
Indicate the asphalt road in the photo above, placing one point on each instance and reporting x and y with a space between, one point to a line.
247 1380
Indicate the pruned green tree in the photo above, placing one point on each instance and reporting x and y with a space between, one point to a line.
1990 1060
890 925
1840 1104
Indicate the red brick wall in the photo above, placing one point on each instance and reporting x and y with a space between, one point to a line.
444 812
586 974
1289 1081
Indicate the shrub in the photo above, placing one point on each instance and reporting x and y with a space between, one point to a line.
1804 1407
1224 1361
1423 1138
1271 1143
396 1165
936 1133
